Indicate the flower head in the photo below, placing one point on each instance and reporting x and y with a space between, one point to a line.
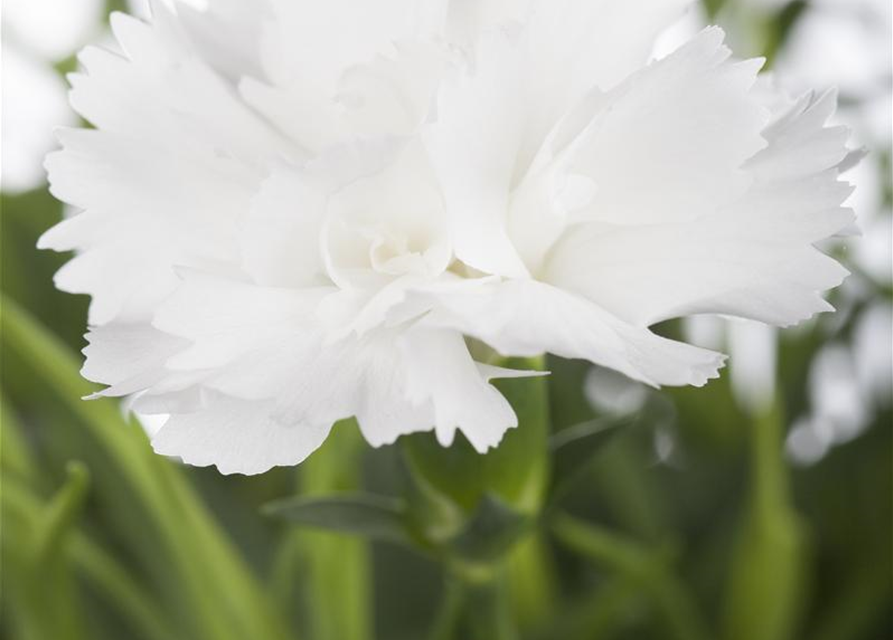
297 212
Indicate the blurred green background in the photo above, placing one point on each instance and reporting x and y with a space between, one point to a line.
757 508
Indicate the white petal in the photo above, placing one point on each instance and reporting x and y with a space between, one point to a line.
669 143
227 32
440 370
227 319
280 234
727 265
127 357
754 258
467 19
525 318
386 223
596 43
392 94
237 437
188 399
260 348
308 45
801 143
473 145
258 343
160 88
163 180
577 46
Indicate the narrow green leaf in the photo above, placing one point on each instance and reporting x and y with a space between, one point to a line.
487 610
371 516
61 513
337 571
15 456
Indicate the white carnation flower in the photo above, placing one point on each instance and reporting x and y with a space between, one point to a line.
297 212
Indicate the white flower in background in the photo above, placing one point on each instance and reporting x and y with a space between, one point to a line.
36 35
33 103
297 212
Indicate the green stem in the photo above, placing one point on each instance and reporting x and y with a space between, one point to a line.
765 592
339 599
771 489
476 605
640 564
286 572
532 581
448 617
487 608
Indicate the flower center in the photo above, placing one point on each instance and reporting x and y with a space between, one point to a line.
362 254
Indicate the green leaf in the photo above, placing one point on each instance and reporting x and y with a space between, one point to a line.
494 528
15 456
61 513
375 517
